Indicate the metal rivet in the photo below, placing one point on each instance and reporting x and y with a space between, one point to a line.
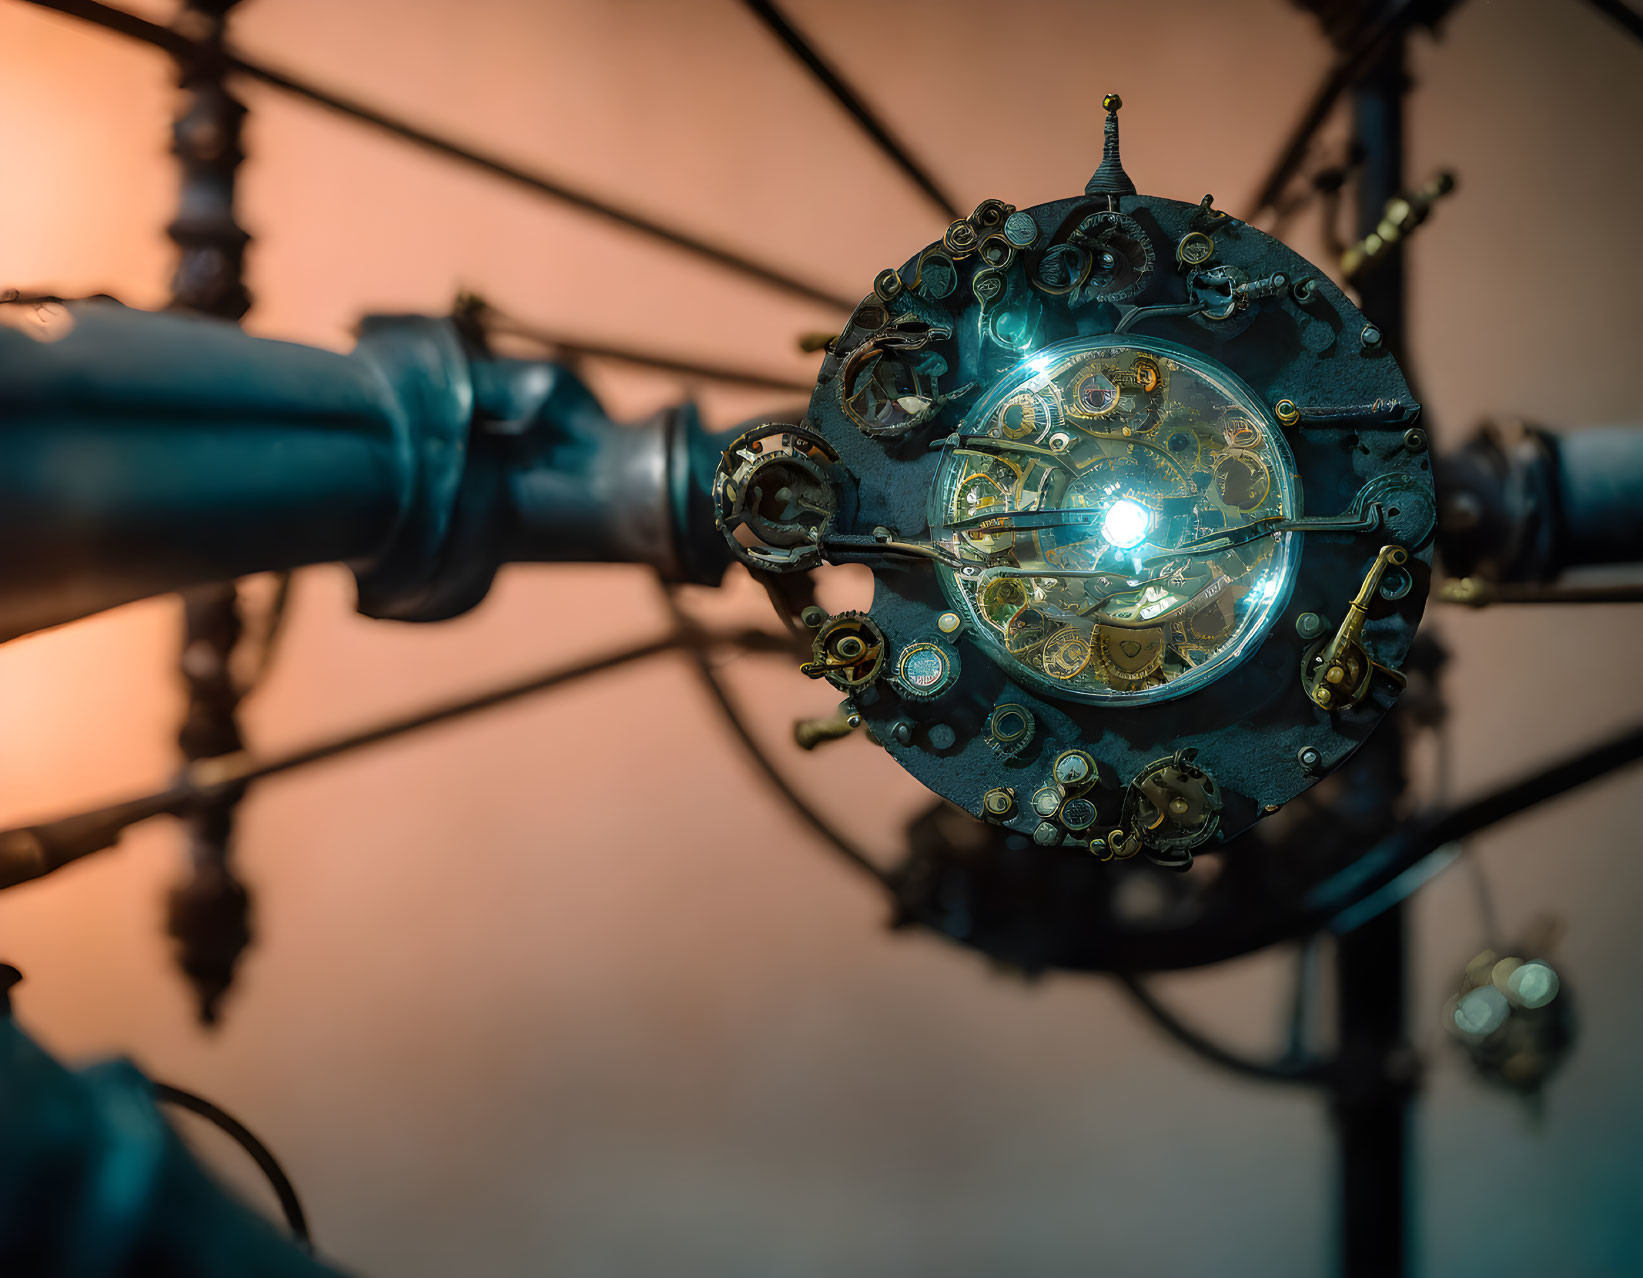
1371 336
1309 758
949 622
1414 439
1309 625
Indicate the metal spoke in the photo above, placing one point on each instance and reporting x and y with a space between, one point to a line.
494 321
32 851
180 46
1362 57
1629 18
851 101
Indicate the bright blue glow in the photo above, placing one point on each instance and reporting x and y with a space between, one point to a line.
1126 524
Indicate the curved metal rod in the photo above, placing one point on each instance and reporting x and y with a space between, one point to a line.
180 46
847 98
290 1205
716 689
1285 1069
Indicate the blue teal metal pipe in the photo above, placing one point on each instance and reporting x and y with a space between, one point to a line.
142 453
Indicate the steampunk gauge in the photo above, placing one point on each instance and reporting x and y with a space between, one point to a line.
1148 513
1076 504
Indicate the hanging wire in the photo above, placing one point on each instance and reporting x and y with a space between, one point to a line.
750 746
180 46
1284 1069
868 120
296 1220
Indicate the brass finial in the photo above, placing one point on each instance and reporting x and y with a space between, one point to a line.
1110 178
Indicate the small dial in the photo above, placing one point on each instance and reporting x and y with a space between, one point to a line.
925 670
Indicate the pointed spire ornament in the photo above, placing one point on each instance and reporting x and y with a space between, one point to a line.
1110 178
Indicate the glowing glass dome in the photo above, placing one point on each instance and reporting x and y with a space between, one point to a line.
1117 505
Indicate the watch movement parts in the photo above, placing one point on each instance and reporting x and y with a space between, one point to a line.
847 651
775 496
1171 807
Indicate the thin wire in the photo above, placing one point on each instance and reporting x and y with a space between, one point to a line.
290 1205
577 348
180 46
852 102
1281 1070
710 680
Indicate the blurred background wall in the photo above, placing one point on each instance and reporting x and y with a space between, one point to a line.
562 989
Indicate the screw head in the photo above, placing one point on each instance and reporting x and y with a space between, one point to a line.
1309 758
1414 439
1371 336
1309 625
998 802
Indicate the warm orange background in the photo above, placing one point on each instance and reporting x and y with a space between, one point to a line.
561 990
